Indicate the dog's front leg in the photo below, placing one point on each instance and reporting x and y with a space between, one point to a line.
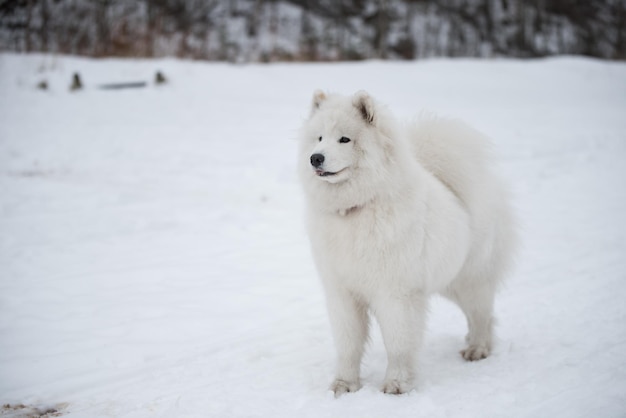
350 325
402 322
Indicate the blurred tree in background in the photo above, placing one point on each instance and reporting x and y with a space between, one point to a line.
307 30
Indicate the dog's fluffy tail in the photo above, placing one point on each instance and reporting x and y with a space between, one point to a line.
460 157
455 153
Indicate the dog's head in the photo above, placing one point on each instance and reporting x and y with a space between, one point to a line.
345 146
337 134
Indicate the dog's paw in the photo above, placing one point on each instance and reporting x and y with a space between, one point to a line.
396 387
475 352
339 387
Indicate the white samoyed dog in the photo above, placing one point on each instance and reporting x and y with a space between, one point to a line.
396 214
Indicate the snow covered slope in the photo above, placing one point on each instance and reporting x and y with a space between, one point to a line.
153 260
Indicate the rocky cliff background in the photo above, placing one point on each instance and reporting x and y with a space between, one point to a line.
306 30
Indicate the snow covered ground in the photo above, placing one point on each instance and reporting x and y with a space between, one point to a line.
153 260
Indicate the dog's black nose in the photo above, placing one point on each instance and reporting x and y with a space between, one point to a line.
317 160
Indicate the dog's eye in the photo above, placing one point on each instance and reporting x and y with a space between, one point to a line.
344 140
319 139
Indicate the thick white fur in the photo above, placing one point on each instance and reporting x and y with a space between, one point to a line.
412 211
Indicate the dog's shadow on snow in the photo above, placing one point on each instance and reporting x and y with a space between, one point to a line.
440 362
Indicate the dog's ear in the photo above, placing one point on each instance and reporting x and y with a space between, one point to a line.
318 97
365 105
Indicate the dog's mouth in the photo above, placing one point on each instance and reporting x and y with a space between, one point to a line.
322 173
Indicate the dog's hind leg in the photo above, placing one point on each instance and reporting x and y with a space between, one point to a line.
476 299
350 324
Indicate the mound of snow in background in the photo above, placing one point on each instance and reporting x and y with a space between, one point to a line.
153 260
